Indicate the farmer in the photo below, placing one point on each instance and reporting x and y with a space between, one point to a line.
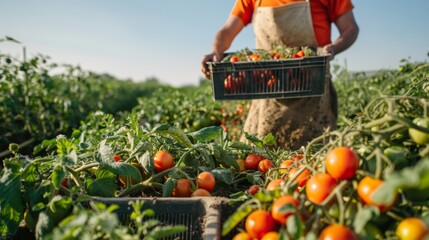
294 23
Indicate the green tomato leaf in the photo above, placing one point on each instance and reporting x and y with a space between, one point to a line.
101 173
175 133
146 161
58 174
295 226
253 139
11 204
233 220
124 169
207 134
168 187
104 187
269 139
223 175
363 216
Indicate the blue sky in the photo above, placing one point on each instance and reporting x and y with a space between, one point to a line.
167 39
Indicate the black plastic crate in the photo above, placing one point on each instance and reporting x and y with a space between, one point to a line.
201 216
287 78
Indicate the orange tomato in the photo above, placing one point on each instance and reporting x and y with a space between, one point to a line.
258 223
342 163
206 180
281 216
242 236
274 184
270 236
412 228
241 165
163 160
183 188
285 165
265 165
366 187
302 177
337 232
201 192
255 57
319 187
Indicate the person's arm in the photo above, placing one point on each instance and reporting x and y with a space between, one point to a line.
222 41
348 30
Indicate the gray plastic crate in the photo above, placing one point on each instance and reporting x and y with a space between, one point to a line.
202 216
288 78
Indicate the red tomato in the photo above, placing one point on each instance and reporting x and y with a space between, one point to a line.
229 83
258 223
252 161
265 165
117 158
366 187
253 189
163 160
183 188
319 187
337 232
281 216
234 59
206 180
342 163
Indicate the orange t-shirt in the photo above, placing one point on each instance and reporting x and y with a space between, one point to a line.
323 13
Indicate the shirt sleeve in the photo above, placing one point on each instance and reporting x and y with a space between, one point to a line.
244 10
337 8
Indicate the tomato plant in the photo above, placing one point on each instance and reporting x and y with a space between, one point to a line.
319 187
163 160
206 180
342 163
259 222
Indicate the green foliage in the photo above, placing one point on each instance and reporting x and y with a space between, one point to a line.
40 99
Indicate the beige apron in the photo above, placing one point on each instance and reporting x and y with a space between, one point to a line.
294 121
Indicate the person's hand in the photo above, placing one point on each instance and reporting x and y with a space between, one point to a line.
329 49
209 58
